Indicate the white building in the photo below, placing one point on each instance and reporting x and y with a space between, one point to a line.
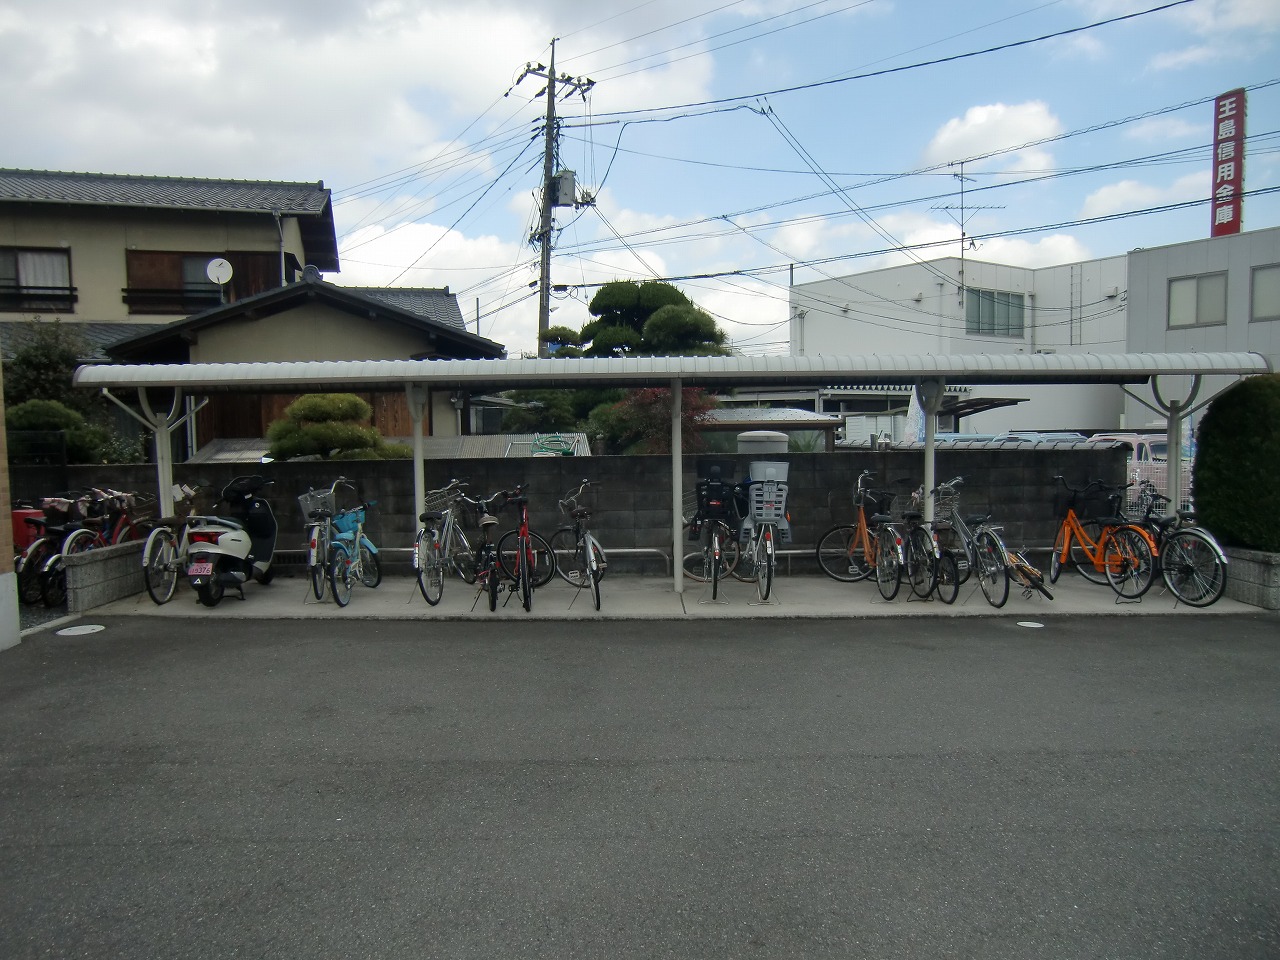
1213 294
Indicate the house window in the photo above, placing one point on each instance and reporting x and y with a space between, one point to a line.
1198 301
162 281
993 313
35 280
1265 296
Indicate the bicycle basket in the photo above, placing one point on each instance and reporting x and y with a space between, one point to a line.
316 500
348 520
437 501
1089 505
944 506
878 502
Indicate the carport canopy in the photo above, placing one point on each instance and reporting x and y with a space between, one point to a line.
929 372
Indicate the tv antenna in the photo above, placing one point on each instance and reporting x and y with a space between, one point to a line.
962 222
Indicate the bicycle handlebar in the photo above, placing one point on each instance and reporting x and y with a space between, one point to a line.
570 502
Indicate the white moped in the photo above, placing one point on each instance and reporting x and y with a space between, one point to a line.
227 550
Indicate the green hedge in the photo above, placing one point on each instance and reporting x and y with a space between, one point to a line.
1237 466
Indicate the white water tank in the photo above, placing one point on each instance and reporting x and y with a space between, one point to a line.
762 441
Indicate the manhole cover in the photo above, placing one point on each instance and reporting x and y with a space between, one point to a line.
1029 623
80 630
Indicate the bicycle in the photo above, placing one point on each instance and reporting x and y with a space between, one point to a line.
1192 564
972 538
318 508
1028 577
524 556
355 558
165 553
64 514
907 545
441 545
847 551
713 522
110 520
580 560
765 525
1105 548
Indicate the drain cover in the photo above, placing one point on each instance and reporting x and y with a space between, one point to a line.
80 630
1029 623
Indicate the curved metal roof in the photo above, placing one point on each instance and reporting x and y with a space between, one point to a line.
660 371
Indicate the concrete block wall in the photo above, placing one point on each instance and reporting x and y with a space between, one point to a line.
1253 578
102 575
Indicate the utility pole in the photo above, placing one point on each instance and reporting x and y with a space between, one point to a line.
550 183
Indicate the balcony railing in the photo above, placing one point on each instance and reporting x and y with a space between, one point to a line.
171 299
22 298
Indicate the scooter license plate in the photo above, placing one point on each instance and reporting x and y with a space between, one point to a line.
200 570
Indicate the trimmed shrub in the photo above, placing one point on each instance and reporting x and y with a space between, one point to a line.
1237 466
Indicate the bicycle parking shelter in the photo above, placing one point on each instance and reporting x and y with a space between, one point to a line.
419 378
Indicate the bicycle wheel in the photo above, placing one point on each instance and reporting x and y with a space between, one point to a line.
461 554
53 579
571 559
1055 561
922 565
1080 555
948 587
888 564
993 575
717 562
1129 563
33 561
488 571
841 555
159 565
544 558
1192 569
430 566
524 574
594 557
696 563
1030 577
317 565
340 574
370 566
765 561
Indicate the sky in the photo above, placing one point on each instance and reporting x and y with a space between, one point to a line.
730 148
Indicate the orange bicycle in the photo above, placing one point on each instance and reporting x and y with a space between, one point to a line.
847 552
1105 548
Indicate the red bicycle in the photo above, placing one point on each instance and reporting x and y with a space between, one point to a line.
526 558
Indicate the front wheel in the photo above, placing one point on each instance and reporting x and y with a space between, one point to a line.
340 575
922 564
370 566
1081 558
29 578
948 587
1129 563
1059 545
1192 568
697 563
717 563
544 558
430 564
993 574
159 565
842 556
888 563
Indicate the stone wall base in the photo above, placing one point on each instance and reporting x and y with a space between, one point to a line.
1253 577
104 574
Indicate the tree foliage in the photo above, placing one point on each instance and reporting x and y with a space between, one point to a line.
330 426
42 367
1237 463
641 421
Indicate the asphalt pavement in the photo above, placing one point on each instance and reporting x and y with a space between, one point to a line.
222 785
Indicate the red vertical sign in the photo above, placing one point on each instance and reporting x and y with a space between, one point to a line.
1228 164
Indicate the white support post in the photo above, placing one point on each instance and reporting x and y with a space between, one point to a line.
929 394
161 427
677 484
418 397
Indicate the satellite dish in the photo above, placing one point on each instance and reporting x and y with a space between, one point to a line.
218 270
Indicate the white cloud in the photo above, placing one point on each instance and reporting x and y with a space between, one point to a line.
1166 128
1133 195
992 127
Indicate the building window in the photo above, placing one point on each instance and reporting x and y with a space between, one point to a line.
993 313
35 280
1265 296
1198 301
162 281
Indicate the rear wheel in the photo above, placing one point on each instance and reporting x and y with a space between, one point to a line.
159 565
697 563
595 569
841 555
210 592
1129 562
340 575
888 564
53 582
765 561
462 555
317 563
993 575
1192 569
430 566
33 561
717 562
1055 561
948 587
